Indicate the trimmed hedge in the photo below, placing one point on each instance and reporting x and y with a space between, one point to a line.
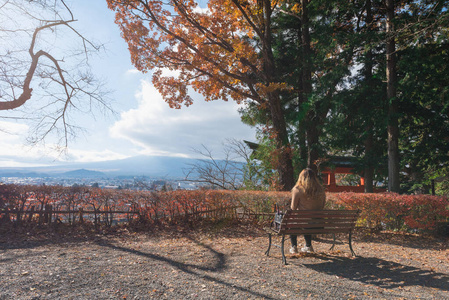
423 213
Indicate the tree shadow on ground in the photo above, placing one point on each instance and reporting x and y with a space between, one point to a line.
219 263
415 241
379 272
45 235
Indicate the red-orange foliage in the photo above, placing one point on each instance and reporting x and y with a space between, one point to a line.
384 211
211 49
394 211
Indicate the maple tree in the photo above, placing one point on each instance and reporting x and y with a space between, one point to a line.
222 52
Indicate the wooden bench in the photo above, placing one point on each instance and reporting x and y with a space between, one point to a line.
300 222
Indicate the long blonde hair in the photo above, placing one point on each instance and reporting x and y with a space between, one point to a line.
309 183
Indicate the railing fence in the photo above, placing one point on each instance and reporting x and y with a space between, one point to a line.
48 215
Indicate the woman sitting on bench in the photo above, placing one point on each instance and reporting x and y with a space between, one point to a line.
307 194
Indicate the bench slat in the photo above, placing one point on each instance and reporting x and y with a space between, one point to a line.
309 216
313 212
316 231
328 219
316 226
318 221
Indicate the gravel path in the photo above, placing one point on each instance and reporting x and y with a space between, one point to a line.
227 264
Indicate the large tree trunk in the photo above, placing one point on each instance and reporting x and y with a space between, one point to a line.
312 123
312 142
393 122
302 144
284 159
369 168
302 98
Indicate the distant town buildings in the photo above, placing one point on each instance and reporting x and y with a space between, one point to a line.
130 183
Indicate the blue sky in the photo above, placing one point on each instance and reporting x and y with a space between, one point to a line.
144 124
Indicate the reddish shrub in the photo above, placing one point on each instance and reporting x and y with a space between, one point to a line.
397 212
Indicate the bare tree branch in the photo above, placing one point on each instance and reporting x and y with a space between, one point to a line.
236 170
42 75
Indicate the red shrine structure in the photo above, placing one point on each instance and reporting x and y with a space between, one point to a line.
331 172
338 166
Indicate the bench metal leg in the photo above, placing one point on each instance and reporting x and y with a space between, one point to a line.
350 244
333 244
269 245
284 260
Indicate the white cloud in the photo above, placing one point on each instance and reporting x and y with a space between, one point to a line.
132 72
202 10
11 130
93 156
167 72
161 130
15 153
16 164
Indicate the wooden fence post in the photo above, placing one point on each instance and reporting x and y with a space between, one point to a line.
50 213
19 216
47 214
41 215
95 218
30 217
111 217
81 215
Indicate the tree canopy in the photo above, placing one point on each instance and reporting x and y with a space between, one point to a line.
319 78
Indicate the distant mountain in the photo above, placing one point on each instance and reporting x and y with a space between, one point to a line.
19 173
152 166
82 173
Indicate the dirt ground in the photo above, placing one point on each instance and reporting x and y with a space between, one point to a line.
218 263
